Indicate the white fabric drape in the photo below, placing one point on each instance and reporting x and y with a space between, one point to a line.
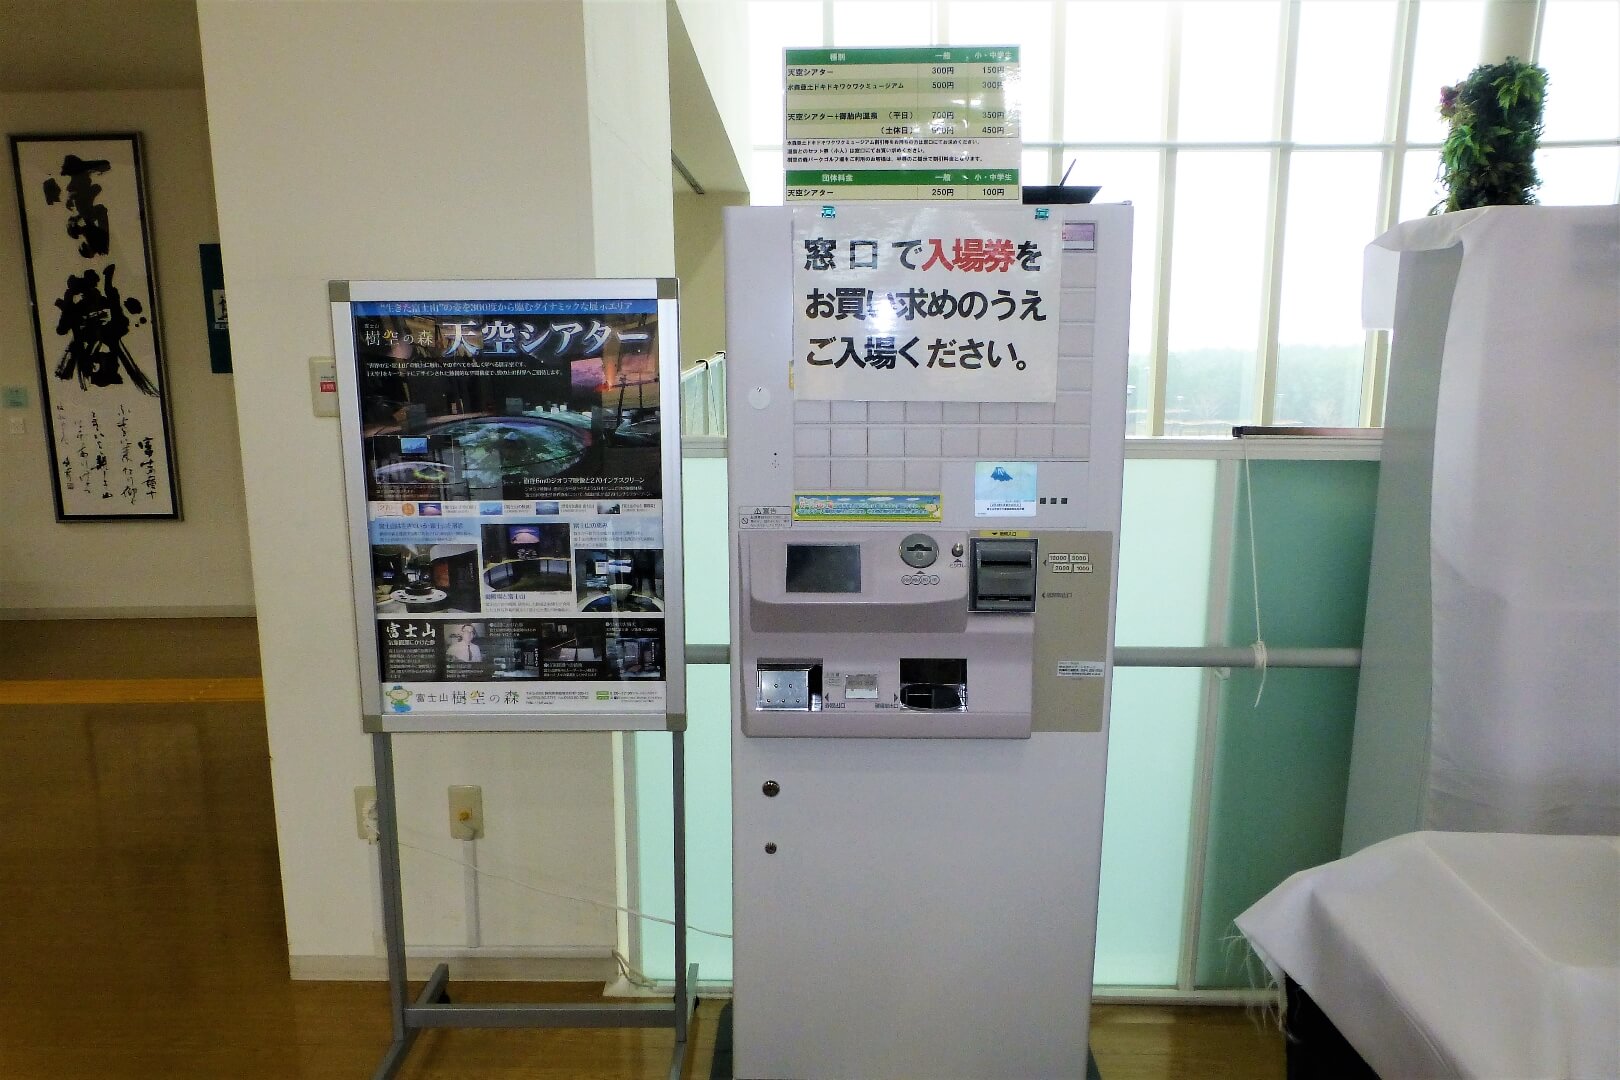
1525 536
1447 955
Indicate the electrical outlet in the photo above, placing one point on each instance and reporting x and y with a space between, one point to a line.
466 812
365 813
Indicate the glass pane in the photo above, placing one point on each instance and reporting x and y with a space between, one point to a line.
1027 24
1341 81
883 22
1448 43
1580 48
1421 189
774 25
708 831
1578 176
1113 71
708 579
1152 750
1035 167
1229 67
765 182
1332 215
1167 524
1282 767
1217 267
1131 176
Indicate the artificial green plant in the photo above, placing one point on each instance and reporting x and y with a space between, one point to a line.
1488 158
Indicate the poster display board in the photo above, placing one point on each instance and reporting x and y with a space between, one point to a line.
925 303
94 305
911 123
514 502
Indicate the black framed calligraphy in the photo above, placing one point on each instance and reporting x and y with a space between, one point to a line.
94 304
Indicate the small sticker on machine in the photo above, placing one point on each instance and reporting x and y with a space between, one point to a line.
1079 669
764 517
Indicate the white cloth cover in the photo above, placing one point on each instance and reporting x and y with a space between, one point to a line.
1459 954
1525 537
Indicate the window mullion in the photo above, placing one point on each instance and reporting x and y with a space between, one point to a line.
1160 353
1265 382
1375 363
1060 23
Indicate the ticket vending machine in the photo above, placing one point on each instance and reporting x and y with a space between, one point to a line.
920 678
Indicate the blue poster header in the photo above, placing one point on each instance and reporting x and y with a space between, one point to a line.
459 308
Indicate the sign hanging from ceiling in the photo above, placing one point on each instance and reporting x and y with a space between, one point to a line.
924 123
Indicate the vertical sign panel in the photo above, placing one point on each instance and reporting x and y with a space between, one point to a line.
514 500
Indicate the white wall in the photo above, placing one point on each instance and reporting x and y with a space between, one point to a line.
386 140
195 566
700 263
719 33
627 77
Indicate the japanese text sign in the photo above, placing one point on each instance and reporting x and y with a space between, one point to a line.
925 303
914 123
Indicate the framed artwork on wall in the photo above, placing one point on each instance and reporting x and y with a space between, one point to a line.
94 301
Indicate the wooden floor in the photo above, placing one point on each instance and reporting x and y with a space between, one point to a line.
141 932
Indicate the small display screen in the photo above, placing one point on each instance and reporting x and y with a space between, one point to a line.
823 568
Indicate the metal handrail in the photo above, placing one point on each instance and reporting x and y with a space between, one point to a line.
1166 656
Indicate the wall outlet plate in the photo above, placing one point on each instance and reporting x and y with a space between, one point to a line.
323 393
466 812
365 813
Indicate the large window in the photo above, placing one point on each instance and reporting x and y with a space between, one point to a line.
1263 143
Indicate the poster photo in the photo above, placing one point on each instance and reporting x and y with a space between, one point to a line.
513 490
102 381
516 401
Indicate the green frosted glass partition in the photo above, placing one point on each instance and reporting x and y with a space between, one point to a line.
1166 525
1281 768
708 832
708 754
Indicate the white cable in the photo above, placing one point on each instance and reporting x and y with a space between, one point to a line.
564 896
1254 572
469 885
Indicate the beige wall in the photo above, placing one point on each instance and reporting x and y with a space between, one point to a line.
700 263
195 566
388 140
719 33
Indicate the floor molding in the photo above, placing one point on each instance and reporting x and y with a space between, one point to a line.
130 691
194 611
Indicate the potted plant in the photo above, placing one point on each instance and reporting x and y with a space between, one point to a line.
1488 158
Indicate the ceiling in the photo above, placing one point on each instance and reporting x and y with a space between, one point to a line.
65 45
99 45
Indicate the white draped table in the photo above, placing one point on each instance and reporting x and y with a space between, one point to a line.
1488 955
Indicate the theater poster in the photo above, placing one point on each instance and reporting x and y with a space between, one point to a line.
514 497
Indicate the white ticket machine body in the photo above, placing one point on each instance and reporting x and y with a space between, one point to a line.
920 735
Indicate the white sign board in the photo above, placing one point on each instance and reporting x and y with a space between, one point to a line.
911 123
925 303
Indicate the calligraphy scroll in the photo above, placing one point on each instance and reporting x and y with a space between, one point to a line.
94 303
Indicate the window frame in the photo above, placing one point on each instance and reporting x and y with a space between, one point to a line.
1280 148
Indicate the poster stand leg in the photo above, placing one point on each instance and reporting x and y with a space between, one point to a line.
432 1008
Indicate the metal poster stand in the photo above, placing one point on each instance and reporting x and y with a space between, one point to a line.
439 356
432 1007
